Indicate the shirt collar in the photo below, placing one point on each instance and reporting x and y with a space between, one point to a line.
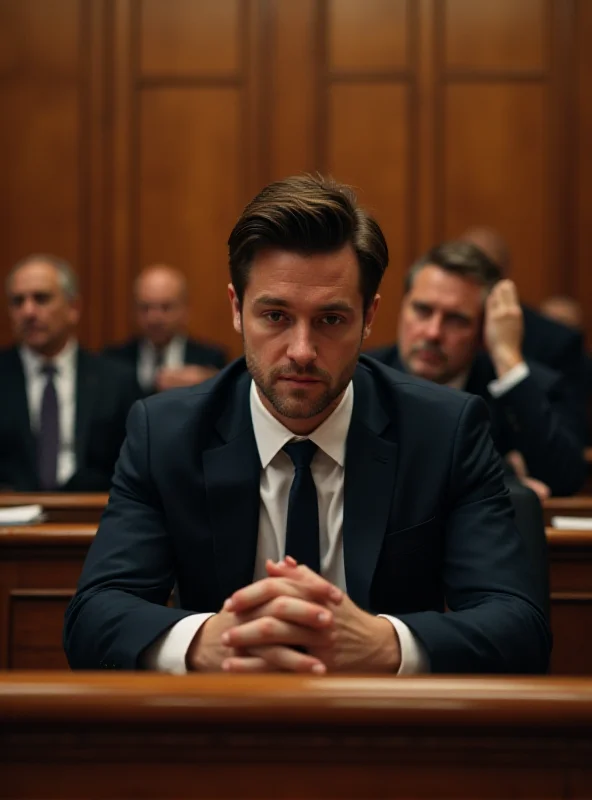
65 359
330 436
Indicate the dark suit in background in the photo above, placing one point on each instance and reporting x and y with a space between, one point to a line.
198 353
427 522
536 417
562 349
105 393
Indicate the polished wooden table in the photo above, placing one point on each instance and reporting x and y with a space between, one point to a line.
293 737
39 569
578 506
61 507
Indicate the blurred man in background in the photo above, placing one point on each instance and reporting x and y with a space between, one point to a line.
163 356
461 326
545 340
62 409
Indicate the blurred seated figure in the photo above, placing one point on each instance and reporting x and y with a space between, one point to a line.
461 326
569 312
62 410
545 340
163 356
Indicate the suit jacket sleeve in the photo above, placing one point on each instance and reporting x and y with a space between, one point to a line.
540 423
120 605
493 624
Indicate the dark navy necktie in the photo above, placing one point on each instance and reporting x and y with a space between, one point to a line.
48 439
302 530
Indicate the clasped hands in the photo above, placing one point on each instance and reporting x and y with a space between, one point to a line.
294 621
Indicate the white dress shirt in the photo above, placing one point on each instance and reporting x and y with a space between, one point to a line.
173 355
168 653
65 384
498 386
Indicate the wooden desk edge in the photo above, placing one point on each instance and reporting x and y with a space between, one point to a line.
453 701
55 500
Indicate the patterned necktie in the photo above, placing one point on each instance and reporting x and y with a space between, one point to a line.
302 530
48 439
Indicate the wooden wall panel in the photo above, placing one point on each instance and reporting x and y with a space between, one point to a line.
443 112
367 37
190 176
289 132
581 271
378 132
494 159
181 37
40 150
502 35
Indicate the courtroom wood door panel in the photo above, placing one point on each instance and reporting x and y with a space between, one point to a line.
36 620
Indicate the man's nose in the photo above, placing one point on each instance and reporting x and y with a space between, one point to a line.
433 329
302 348
28 308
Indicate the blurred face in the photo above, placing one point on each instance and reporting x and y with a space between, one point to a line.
440 325
161 307
302 323
42 316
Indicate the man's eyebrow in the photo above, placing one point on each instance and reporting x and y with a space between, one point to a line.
278 302
269 300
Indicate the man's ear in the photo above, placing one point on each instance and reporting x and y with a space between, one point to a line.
369 317
237 320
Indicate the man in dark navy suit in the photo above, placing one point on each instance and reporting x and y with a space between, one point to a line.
461 326
317 511
62 409
164 357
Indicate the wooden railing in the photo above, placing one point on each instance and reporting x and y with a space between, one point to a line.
61 507
129 736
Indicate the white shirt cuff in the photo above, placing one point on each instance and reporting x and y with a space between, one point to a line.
167 653
414 659
516 375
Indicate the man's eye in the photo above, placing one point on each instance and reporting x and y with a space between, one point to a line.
275 316
422 311
332 320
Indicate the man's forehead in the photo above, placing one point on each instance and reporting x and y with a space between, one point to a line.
36 273
437 283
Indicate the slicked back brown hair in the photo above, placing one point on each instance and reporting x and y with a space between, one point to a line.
307 215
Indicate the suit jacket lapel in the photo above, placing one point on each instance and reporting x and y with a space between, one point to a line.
16 385
370 473
232 474
86 391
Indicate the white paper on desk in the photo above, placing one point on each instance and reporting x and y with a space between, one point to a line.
21 515
572 523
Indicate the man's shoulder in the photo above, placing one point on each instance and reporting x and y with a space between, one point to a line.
546 339
127 349
386 354
418 393
215 392
105 368
8 356
204 353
